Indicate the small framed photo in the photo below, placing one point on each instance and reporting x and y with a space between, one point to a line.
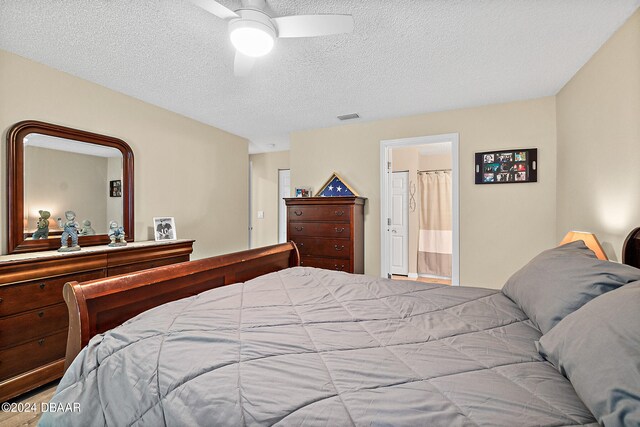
164 228
303 192
115 188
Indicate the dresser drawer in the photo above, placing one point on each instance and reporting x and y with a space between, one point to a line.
334 213
339 264
30 355
332 248
33 324
38 293
319 229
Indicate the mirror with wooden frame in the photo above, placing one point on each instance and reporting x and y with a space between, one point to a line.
57 169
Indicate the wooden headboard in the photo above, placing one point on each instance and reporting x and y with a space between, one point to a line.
631 249
99 305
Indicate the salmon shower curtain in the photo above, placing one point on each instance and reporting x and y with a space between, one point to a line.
435 239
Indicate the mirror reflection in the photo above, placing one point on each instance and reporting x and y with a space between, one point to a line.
63 175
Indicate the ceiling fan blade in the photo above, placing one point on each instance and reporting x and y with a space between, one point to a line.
313 25
242 65
215 8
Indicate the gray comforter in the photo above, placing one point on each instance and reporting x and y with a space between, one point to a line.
305 346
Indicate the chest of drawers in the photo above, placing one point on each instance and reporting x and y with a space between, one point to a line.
33 314
329 231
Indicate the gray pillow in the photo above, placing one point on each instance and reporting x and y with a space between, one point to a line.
598 348
561 280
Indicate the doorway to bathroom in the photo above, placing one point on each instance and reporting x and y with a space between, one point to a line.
419 208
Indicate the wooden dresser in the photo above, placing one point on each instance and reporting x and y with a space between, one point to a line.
329 231
33 314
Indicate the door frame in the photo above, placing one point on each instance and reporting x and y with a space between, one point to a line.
250 222
385 181
282 212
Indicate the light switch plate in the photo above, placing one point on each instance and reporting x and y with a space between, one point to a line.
260 214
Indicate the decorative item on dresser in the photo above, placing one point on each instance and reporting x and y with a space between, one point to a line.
329 231
33 316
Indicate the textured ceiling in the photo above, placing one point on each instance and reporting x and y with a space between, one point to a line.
405 56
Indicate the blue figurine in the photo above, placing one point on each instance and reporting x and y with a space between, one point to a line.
70 229
116 234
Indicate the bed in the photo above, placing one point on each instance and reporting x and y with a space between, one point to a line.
253 339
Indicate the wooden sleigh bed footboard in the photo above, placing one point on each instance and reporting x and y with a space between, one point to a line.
99 305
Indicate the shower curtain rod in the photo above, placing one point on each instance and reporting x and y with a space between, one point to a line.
435 170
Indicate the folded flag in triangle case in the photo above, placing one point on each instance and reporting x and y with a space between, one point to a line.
336 188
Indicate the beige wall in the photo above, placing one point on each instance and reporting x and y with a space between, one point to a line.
599 143
51 183
183 168
501 226
264 196
435 161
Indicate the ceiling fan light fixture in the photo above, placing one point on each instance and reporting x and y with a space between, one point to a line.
252 38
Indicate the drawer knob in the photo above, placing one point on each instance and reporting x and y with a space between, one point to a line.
339 213
0 299
298 213
338 248
42 285
41 341
299 228
339 267
40 313
300 244
339 230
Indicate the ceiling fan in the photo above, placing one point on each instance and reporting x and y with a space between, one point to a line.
253 32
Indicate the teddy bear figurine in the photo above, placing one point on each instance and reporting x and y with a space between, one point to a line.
43 226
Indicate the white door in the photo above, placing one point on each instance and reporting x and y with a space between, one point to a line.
284 190
399 226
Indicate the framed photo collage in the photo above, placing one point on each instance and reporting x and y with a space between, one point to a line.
507 166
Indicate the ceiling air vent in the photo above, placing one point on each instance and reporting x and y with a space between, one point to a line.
349 116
